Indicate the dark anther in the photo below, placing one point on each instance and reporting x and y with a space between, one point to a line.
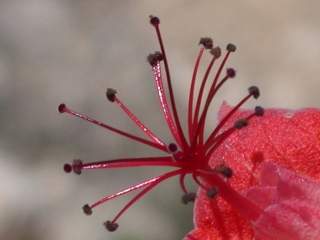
224 170
77 166
254 91
188 197
231 47
231 73
240 123
172 147
216 52
212 192
206 42
87 209
111 94
62 108
67 167
154 58
111 226
259 111
155 21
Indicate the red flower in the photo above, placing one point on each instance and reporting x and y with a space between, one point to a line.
287 200
208 159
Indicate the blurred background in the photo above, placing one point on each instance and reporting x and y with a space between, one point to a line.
54 51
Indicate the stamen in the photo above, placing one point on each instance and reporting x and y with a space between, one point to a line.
213 90
182 184
231 47
230 73
217 141
172 147
164 104
216 52
191 92
215 55
67 168
224 170
78 165
111 226
206 42
123 192
155 21
212 192
246 207
197 180
147 189
188 197
111 95
241 123
63 109
252 90
87 209
259 111
154 58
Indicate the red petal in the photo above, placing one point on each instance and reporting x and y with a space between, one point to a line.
218 217
289 138
291 212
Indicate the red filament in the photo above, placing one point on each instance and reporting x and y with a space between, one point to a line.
187 158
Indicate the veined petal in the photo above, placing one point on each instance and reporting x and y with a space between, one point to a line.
292 211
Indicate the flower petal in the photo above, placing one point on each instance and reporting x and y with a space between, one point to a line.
219 220
289 138
291 210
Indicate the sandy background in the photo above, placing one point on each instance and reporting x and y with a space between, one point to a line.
55 51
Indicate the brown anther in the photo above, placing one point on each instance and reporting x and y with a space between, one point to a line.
111 94
154 58
155 21
212 192
231 73
216 52
259 111
172 147
254 91
87 209
224 170
67 168
240 123
206 42
188 197
62 108
231 47
77 166
111 226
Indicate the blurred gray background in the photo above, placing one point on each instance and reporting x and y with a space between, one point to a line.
70 51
